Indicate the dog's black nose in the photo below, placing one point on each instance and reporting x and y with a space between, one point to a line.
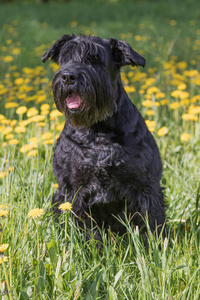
69 78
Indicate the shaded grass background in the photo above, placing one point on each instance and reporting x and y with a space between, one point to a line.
125 270
150 18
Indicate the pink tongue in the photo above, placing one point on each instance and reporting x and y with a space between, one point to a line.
73 101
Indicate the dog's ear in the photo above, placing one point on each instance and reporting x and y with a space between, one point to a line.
54 51
124 55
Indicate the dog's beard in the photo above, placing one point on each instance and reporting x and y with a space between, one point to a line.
87 102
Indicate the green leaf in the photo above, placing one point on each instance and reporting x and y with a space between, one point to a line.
24 296
52 244
52 250
112 293
93 291
41 279
48 268
117 276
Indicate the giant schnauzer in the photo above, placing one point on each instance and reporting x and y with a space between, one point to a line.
105 151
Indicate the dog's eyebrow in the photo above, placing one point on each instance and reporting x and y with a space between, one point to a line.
84 50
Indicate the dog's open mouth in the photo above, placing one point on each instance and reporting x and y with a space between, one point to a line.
73 101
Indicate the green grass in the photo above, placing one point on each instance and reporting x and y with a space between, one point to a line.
44 262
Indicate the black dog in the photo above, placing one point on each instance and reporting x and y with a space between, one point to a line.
105 149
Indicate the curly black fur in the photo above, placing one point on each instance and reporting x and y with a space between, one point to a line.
105 149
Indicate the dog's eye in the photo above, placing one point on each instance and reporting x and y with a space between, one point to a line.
94 58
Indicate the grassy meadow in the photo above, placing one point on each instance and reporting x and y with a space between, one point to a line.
38 261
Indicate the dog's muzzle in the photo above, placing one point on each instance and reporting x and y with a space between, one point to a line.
73 99
69 78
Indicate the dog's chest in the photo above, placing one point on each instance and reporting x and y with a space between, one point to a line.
87 163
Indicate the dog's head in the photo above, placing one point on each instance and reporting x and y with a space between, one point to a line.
85 87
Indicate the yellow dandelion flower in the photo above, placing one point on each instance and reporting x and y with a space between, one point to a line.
176 94
174 105
8 58
194 110
55 185
13 142
2 117
54 114
163 131
150 123
21 110
182 65
182 86
54 66
20 129
185 137
160 95
149 112
21 96
189 117
16 51
60 127
24 123
36 118
49 142
19 81
2 206
27 70
147 103
172 22
184 95
9 136
7 130
156 103
185 102
41 124
13 123
31 112
129 89
30 98
153 90
195 98
151 129
47 135
3 247
3 259
3 173
67 206
44 112
44 80
9 42
74 24
10 99
41 98
11 105
35 213
26 148
11 169
191 73
130 74
34 140
45 107
5 121
141 92
33 153
3 213
3 91
164 102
